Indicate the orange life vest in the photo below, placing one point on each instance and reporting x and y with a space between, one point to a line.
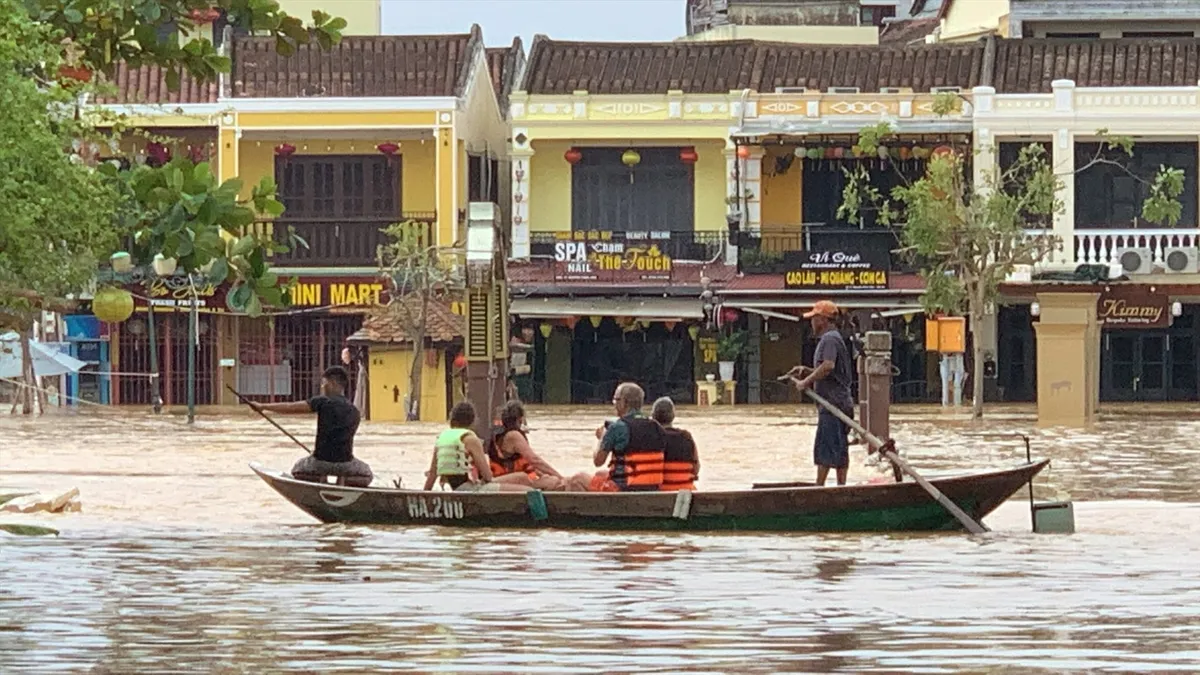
680 468
502 465
639 467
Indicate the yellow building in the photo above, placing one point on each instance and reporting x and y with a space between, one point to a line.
377 130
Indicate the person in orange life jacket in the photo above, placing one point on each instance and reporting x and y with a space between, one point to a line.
337 423
460 461
509 453
681 467
632 445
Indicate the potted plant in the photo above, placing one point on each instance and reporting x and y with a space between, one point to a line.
729 348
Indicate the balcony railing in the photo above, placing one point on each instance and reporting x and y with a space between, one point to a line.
1104 246
688 246
347 242
777 250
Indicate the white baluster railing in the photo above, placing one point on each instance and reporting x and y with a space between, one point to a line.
1101 246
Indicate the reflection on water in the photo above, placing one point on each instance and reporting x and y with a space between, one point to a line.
182 561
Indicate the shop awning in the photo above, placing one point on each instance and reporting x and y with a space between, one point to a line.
660 309
775 309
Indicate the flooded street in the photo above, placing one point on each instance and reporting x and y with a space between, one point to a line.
183 561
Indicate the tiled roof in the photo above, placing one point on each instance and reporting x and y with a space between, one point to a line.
386 325
1029 65
148 85
869 68
719 67
904 33
375 65
504 65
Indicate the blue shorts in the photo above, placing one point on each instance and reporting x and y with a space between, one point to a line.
831 448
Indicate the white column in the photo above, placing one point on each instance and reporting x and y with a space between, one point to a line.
752 186
1064 168
520 203
732 172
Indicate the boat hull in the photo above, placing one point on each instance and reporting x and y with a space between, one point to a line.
895 507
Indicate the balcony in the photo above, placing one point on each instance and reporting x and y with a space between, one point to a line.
346 242
777 250
1103 247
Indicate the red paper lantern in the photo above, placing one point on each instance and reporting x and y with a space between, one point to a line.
730 315
460 362
285 150
573 156
76 73
688 155
571 321
388 149
743 151
943 150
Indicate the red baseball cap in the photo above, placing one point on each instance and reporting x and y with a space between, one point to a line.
823 308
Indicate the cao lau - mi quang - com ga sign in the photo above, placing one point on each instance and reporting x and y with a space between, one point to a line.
601 256
839 270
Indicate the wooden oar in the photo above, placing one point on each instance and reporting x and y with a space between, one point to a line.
888 450
255 408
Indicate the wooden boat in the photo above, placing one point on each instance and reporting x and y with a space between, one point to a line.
856 508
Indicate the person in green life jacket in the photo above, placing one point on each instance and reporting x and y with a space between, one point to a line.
459 459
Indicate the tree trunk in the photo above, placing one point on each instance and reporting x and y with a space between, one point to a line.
976 311
27 376
414 380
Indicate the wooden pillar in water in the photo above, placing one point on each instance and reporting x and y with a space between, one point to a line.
875 383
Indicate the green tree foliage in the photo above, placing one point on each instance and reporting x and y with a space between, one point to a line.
969 238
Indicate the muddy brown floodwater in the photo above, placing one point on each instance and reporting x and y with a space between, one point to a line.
183 561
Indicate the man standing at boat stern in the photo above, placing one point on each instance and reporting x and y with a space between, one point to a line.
831 378
337 422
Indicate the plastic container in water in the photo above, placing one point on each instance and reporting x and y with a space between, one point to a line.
1054 518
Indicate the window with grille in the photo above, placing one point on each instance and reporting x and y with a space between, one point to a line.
322 187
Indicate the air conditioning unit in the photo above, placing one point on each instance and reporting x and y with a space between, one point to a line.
945 90
1134 260
791 90
843 90
1182 260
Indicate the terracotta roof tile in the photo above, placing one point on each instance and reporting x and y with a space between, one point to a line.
504 65
719 67
148 85
386 325
911 32
1029 65
375 65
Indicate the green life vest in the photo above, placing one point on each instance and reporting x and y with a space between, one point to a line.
452 457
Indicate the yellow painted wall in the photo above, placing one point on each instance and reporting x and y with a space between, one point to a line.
966 20
417 187
362 16
389 371
550 185
781 193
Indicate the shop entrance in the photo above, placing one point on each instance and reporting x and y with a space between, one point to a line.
1150 365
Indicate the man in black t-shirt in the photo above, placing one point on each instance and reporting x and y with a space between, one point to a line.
337 422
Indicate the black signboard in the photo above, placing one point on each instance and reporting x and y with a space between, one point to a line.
839 270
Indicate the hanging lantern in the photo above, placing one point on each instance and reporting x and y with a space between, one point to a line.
571 321
285 150
943 151
800 152
631 157
595 321
389 149
815 153
112 305
163 266
545 329
573 156
460 362
157 154
905 153
694 332
136 327
730 315
856 151
205 16
670 325
122 262
688 155
743 152
645 323
881 152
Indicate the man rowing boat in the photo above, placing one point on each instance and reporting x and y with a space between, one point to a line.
830 378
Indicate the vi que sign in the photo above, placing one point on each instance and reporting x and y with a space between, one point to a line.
838 270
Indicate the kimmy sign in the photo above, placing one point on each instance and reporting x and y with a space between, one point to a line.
1133 307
